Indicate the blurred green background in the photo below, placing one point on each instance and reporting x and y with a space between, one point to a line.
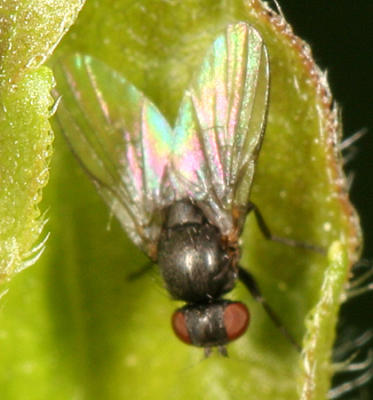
340 34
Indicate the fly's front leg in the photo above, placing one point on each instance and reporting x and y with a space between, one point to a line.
249 281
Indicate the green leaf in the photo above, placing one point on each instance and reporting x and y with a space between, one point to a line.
26 139
29 33
320 321
72 326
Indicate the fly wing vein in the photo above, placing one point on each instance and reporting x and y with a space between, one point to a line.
222 117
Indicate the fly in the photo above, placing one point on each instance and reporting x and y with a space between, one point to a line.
181 194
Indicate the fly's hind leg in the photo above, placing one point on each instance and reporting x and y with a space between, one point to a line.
289 242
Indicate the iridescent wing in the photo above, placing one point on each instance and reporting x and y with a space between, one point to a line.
220 126
121 140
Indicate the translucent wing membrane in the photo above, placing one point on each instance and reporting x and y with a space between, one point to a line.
140 166
220 126
122 141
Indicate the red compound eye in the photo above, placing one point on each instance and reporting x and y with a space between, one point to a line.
236 319
180 327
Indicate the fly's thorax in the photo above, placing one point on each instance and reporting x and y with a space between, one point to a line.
193 262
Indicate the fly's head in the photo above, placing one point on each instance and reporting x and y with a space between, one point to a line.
212 324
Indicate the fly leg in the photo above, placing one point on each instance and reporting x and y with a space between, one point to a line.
249 281
223 351
289 242
141 272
